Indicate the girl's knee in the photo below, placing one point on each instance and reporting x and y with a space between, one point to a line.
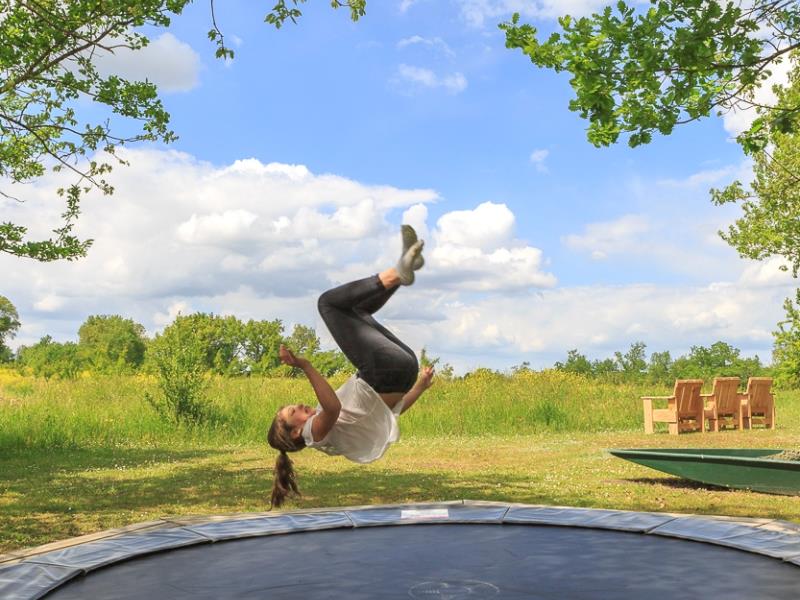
324 302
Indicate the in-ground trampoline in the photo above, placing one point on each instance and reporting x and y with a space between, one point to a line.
467 550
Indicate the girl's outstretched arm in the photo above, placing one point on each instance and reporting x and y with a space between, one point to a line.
423 383
325 420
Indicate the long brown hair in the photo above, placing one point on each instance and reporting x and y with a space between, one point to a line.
280 437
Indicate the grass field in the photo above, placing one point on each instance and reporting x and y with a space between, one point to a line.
82 456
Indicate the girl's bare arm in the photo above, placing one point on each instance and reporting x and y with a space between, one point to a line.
423 383
328 400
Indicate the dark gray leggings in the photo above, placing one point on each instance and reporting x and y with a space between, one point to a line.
382 360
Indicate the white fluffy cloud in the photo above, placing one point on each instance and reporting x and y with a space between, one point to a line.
417 217
173 310
453 83
712 177
166 61
610 237
476 250
480 12
485 227
406 4
178 229
737 121
772 272
48 303
504 329
209 229
434 42
537 159
180 234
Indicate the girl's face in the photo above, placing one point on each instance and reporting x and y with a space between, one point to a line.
295 416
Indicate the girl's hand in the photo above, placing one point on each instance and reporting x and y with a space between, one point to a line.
288 358
426 377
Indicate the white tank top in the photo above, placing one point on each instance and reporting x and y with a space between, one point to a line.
366 427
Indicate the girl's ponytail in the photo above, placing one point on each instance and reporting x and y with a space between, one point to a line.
284 482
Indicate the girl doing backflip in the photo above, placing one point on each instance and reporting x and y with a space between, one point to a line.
359 420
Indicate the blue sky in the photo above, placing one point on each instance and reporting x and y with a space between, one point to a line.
298 160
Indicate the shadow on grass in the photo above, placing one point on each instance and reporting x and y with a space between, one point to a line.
354 486
681 484
46 497
89 479
188 485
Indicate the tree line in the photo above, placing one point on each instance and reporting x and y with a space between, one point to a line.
203 343
718 360
207 343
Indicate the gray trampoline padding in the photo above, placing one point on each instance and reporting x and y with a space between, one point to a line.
587 517
771 543
444 561
706 530
94 555
27 581
427 513
225 530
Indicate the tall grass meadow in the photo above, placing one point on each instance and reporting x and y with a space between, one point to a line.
109 411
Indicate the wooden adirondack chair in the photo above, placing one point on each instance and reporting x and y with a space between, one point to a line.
684 412
724 404
758 403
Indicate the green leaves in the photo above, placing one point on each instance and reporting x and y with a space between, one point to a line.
229 346
770 221
64 246
637 73
277 16
720 359
51 359
178 362
46 62
786 353
282 12
9 325
112 344
47 65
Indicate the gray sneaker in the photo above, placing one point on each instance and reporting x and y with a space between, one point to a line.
409 239
405 266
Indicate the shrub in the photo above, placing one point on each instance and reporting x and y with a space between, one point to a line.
179 365
51 359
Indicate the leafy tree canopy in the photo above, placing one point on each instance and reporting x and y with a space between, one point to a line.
261 340
112 344
9 324
786 353
228 346
217 340
48 358
47 72
575 363
660 367
770 221
632 363
719 359
638 72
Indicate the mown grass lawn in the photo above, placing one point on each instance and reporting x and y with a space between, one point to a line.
51 494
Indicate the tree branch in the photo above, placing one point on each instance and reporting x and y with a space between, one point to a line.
35 69
61 160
